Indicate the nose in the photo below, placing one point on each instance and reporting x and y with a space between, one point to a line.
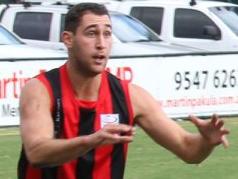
101 42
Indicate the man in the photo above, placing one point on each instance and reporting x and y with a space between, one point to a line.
77 120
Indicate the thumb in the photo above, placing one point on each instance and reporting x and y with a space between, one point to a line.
195 120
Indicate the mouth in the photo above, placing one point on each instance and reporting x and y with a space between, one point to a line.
99 58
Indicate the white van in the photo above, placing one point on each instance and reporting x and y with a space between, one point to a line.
12 48
207 25
42 25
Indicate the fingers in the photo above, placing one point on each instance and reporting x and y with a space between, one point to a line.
212 130
121 129
194 120
197 121
119 133
215 121
218 123
224 142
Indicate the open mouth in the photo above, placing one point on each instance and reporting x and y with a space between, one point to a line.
99 57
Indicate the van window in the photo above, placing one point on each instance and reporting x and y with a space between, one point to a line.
229 15
129 29
33 25
7 38
151 16
62 26
190 24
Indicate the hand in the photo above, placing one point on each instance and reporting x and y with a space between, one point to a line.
212 130
114 133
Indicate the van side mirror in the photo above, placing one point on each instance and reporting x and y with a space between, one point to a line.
212 32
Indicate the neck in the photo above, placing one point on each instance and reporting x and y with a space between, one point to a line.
85 87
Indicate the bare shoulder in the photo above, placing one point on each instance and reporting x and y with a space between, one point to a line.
34 96
34 89
147 111
139 94
142 101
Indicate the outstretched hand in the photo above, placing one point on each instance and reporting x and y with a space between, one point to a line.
212 130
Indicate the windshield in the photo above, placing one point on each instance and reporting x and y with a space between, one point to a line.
7 38
229 15
127 29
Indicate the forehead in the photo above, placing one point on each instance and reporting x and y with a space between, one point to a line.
90 19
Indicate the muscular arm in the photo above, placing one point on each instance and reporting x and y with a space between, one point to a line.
37 131
192 148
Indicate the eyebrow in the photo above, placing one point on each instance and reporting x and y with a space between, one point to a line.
95 25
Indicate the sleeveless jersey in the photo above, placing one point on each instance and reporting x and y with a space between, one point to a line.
73 118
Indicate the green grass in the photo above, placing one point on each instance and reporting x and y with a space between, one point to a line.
9 152
146 160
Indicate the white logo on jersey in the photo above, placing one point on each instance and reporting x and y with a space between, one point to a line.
109 119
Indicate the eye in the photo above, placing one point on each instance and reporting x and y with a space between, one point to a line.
108 33
91 33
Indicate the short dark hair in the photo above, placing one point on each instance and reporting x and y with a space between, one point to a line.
75 14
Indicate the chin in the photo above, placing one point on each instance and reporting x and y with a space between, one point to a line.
98 69
96 72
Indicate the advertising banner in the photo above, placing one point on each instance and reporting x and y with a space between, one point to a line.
182 85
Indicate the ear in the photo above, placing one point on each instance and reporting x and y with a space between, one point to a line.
67 38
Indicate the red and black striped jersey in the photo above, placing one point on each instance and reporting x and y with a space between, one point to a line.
73 117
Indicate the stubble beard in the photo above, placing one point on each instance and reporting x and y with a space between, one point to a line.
89 70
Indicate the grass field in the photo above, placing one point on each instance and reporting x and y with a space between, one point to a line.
146 160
